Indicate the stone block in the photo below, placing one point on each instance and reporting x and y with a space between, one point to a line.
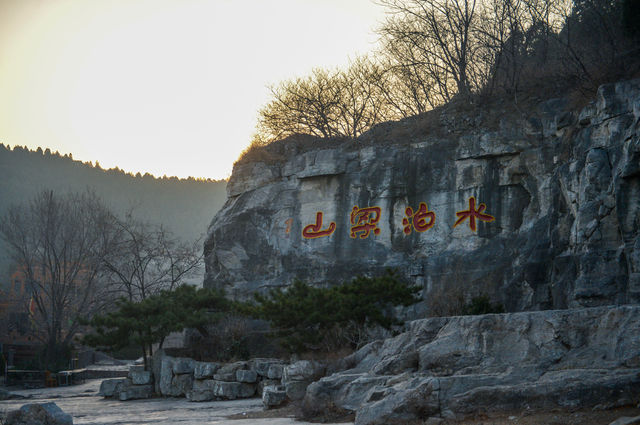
303 370
275 371
273 396
183 366
261 366
247 376
141 377
108 387
135 392
201 395
233 390
203 370
36 414
296 390
181 384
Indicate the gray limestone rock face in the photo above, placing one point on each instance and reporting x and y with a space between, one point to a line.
39 414
108 387
576 358
273 396
562 186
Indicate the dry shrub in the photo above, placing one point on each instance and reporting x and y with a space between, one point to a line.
234 338
444 302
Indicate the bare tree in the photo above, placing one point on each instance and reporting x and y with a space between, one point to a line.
438 36
58 242
147 259
302 106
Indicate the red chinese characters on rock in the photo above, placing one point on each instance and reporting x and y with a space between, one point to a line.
363 221
313 231
422 220
472 213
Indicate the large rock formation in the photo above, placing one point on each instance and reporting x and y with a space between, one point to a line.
450 367
562 185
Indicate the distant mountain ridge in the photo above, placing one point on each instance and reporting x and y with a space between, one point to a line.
183 206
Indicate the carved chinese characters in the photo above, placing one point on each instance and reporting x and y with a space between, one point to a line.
472 214
422 220
313 231
364 221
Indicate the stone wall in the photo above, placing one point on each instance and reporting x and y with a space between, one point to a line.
563 186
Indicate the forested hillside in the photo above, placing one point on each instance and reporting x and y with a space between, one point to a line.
183 206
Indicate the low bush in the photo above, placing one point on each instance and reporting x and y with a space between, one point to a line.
306 318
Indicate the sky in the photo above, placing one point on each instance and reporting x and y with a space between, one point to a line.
162 86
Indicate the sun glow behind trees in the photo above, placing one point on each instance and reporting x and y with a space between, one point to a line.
165 86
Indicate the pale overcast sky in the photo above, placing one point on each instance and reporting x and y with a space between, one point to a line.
162 86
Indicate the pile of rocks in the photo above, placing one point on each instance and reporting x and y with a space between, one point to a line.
139 384
272 379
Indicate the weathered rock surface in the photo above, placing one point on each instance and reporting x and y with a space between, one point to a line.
203 370
247 376
563 186
128 391
141 377
297 376
108 387
273 396
586 357
39 414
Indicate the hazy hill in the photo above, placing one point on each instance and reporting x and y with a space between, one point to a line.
184 206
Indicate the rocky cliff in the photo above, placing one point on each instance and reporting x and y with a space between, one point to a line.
452 367
538 208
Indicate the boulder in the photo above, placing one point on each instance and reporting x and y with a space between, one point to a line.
578 358
201 395
109 387
296 390
141 377
204 370
180 385
233 390
273 396
134 392
165 371
261 366
183 365
267 382
39 414
247 376
303 370
275 371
